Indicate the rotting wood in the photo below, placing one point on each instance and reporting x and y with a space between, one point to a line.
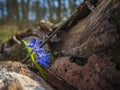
93 32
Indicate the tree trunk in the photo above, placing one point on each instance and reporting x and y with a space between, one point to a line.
98 33
91 47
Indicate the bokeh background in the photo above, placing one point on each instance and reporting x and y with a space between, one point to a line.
18 15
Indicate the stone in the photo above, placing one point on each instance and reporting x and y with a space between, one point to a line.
16 76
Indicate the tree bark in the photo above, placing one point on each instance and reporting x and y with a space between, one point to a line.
97 33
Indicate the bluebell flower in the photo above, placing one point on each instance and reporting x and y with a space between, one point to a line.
42 58
35 45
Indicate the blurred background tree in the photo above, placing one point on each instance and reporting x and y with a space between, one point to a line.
17 15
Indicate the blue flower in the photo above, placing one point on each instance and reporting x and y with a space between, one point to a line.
35 45
42 58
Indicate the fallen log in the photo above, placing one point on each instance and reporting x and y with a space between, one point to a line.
94 30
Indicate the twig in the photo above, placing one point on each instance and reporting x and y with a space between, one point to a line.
25 60
55 31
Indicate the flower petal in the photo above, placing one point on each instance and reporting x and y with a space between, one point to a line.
48 55
44 64
34 40
43 61
39 43
32 43
46 60
40 51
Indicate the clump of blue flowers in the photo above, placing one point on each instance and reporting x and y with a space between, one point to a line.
37 54
41 57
